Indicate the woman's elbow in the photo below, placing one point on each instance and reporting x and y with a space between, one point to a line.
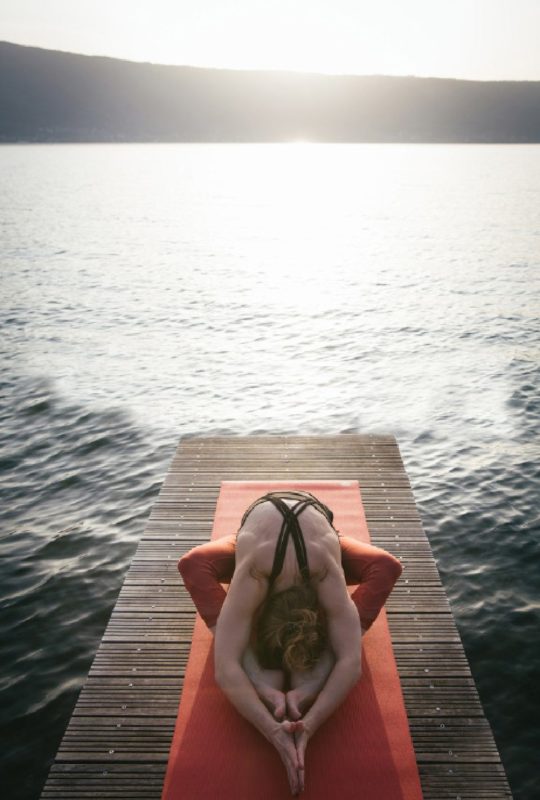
219 676
389 567
219 672
224 674
352 668
188 566
183 565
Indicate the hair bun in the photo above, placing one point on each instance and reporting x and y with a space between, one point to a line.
290 630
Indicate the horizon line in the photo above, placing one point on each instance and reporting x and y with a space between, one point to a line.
272 69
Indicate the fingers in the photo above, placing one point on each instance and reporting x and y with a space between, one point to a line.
274 700
300 741
299 776
280 707
291 765
292 706
292 726
301 761
301 779
294 782
286 747
292 776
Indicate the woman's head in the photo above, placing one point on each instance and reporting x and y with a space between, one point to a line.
290 630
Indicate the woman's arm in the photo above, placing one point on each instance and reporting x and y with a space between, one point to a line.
232 636
376 572
345 640
204 569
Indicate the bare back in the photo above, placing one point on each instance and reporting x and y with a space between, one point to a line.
255 556
257 538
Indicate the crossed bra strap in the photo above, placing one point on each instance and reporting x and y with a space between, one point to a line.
291 526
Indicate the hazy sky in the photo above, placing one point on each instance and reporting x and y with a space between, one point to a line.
481 39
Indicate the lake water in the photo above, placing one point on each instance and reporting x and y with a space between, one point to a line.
155 291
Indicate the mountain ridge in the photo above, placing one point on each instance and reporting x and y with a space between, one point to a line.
58 96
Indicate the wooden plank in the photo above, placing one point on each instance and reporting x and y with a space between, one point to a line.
116 744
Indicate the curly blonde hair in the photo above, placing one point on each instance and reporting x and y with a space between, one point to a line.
290 630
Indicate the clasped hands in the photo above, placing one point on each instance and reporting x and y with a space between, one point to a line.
290 734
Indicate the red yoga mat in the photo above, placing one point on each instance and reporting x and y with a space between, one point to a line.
363 751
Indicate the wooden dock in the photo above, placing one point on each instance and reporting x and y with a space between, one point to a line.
117 742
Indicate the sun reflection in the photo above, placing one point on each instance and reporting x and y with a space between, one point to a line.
312 205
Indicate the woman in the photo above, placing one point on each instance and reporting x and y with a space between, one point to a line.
287 632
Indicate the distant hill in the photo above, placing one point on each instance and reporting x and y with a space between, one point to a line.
50 96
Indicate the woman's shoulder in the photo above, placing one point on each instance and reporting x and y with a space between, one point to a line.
323 557
254 552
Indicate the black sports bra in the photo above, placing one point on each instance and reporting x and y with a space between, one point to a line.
291 526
